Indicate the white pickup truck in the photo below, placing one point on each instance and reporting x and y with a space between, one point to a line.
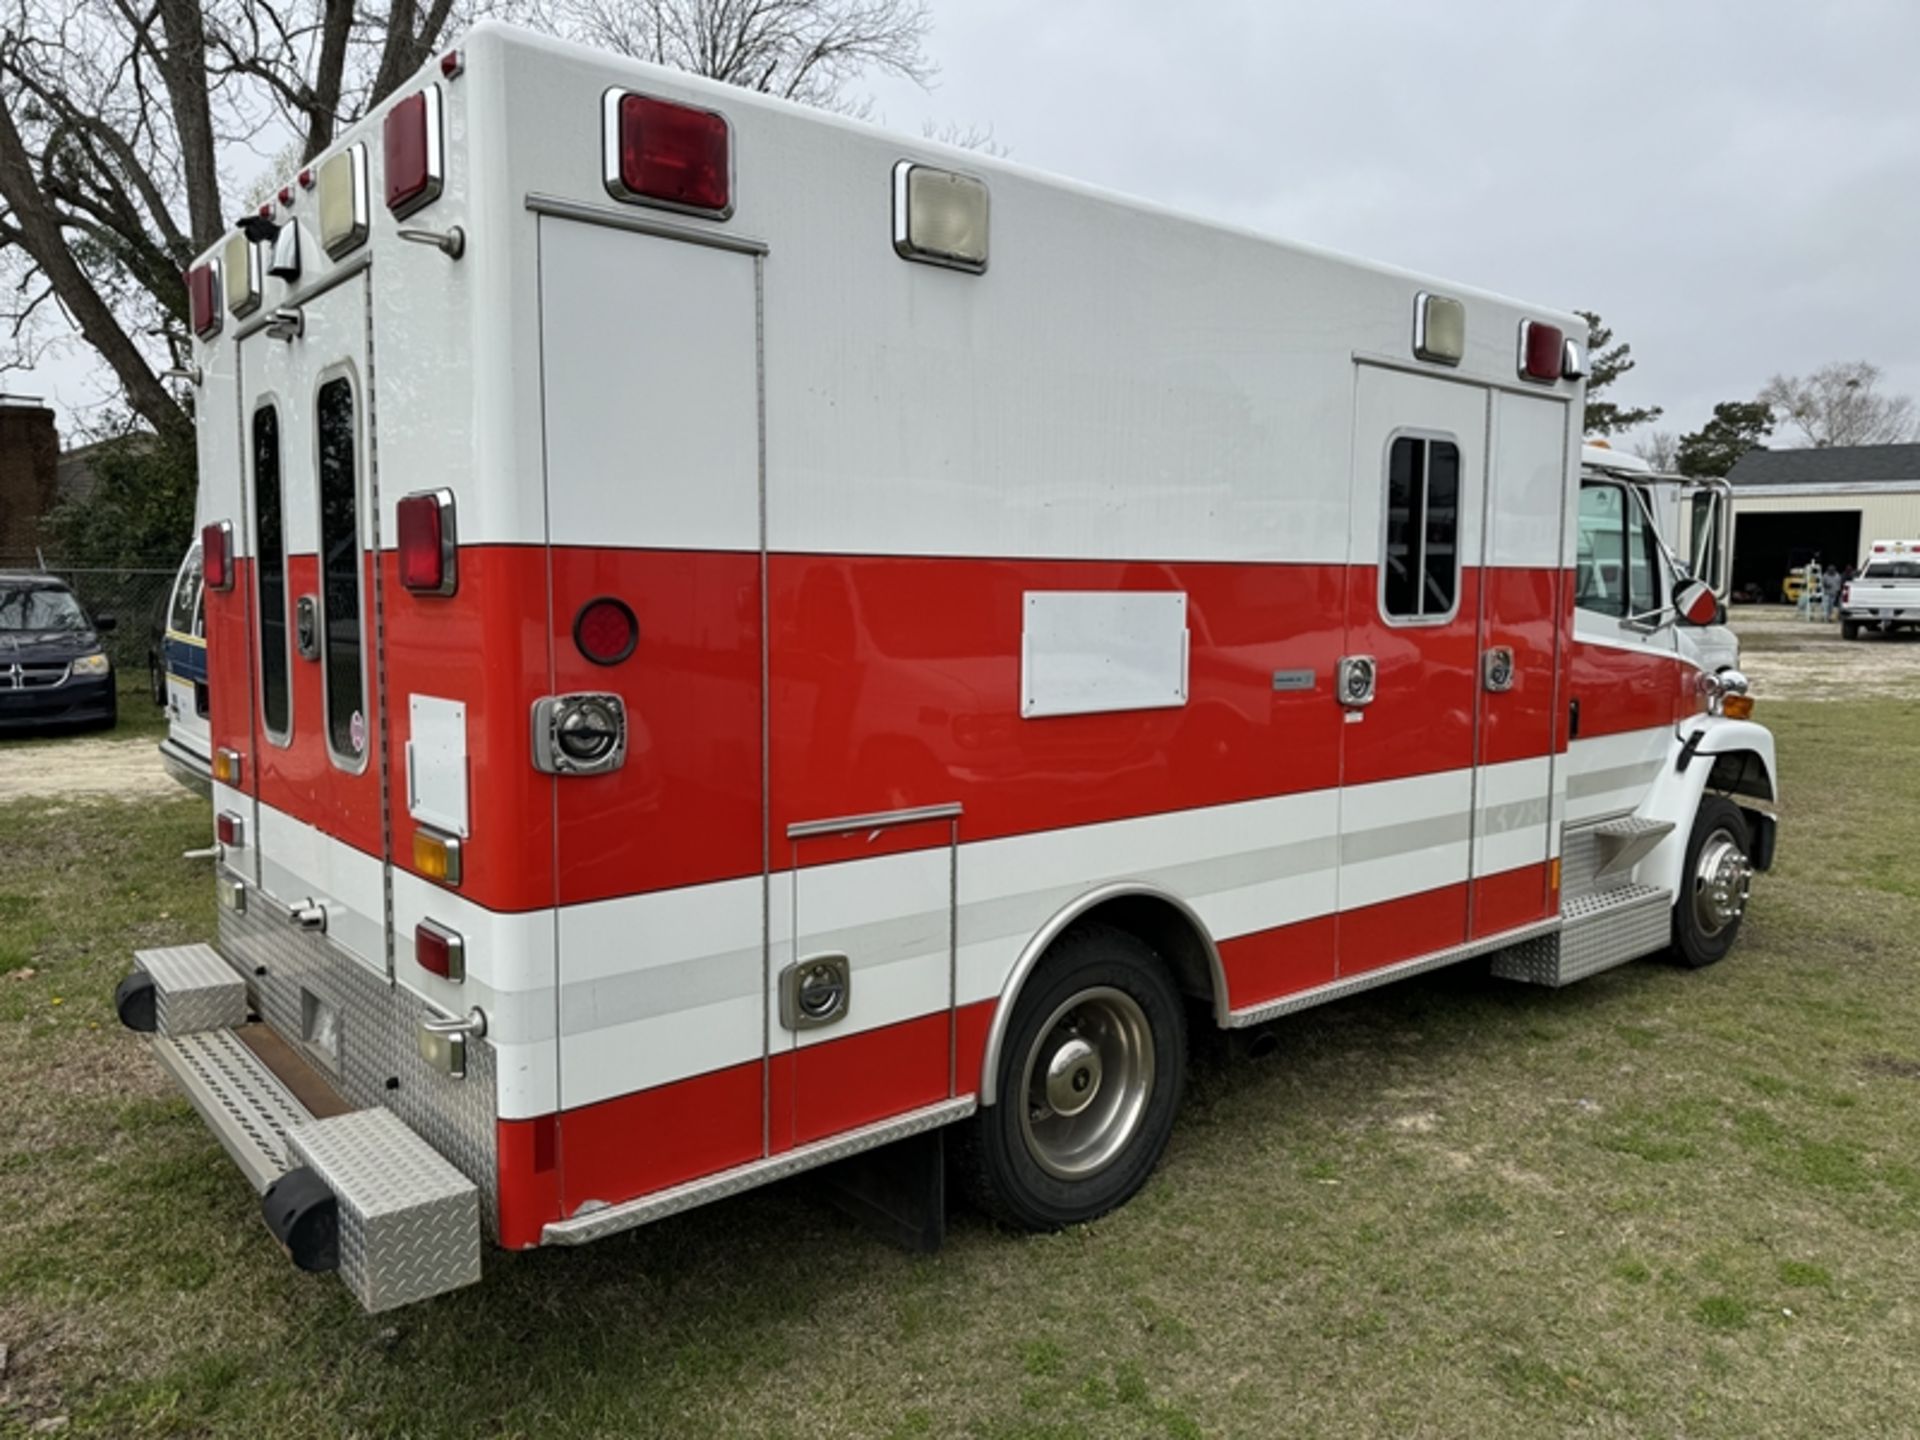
1885 595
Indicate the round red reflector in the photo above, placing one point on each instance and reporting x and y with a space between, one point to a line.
605 631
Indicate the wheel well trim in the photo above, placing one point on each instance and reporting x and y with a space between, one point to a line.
1042 941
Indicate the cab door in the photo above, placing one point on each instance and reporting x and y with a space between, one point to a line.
319 755
1522 605
1409 682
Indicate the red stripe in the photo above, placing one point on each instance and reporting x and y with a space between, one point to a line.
1513 898
822 1090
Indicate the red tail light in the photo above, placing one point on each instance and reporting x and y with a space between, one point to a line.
605 631
229 829
666 154
428 557
1541 350
439 951
1846 593
203 305
412 151
216 555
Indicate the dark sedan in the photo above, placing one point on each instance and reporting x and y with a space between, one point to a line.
52 669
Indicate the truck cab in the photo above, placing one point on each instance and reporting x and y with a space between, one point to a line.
1689 537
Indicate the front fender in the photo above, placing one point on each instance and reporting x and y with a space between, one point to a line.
1732 755
1720 736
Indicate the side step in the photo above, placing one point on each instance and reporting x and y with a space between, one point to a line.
1625 842
404 1223
1598 932
181 990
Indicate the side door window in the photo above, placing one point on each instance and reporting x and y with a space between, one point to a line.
1646 584
1600 561
1420 570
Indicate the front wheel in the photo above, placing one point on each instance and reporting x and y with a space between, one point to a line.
1090 1077
1714 884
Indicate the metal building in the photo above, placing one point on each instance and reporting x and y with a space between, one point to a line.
1792 506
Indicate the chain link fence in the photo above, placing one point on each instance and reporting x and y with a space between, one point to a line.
135 595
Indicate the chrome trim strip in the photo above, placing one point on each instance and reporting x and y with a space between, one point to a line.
1037 946
611 1219
878 820
1386 974
643 224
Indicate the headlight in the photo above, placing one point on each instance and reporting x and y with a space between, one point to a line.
92 665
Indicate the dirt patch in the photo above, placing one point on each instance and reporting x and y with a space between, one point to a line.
1895 1065
128 769
1788 658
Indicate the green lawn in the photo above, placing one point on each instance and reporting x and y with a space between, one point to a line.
1658 1203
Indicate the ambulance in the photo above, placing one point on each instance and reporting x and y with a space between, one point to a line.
740 642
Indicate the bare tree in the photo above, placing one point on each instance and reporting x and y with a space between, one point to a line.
1840 405
1660 449
121 122
805 50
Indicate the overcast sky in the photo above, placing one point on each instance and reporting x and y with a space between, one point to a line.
1734 186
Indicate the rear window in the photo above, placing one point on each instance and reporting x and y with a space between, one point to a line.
337 458
1891 570
276 701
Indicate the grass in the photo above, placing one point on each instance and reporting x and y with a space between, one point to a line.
1656 1203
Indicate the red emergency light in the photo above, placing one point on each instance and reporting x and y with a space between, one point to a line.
1542 350
666 154
216 555
412 151
203 300
428 551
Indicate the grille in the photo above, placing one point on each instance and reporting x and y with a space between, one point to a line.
33 675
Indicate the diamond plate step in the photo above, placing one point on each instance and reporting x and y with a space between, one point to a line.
409 1221
246 1107
193 989
1598 932
1623 843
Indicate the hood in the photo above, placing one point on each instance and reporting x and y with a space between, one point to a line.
47 644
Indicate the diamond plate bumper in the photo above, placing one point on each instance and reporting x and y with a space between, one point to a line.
409 1222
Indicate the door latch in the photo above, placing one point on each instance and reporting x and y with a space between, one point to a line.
308 914
815 991
306 627
1355 680
444 1040
1496 669
579 734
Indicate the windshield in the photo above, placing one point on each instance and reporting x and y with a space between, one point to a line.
38 608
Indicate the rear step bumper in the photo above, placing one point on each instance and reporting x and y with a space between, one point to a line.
356 1191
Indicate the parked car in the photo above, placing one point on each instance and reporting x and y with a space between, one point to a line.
182 681
52 669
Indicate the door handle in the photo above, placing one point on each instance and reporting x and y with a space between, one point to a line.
1356 681
1497 672
308 914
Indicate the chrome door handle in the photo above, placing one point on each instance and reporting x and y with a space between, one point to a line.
1356 680
308 914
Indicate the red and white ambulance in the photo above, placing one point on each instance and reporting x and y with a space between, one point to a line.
738 639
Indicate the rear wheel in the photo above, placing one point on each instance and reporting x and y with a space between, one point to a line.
1713 884
1849 629
1090 1078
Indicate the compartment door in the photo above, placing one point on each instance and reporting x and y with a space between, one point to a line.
1413 598
1523 604
651 412
862 994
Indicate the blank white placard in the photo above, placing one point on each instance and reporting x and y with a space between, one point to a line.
1088 652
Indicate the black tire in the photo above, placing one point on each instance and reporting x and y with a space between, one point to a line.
1849 629
157 682
1696 943
1094 966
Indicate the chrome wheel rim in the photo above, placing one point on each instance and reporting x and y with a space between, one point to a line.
1088 1075
1722 878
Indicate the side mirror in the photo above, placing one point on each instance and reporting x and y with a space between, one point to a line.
104 623
1695 604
